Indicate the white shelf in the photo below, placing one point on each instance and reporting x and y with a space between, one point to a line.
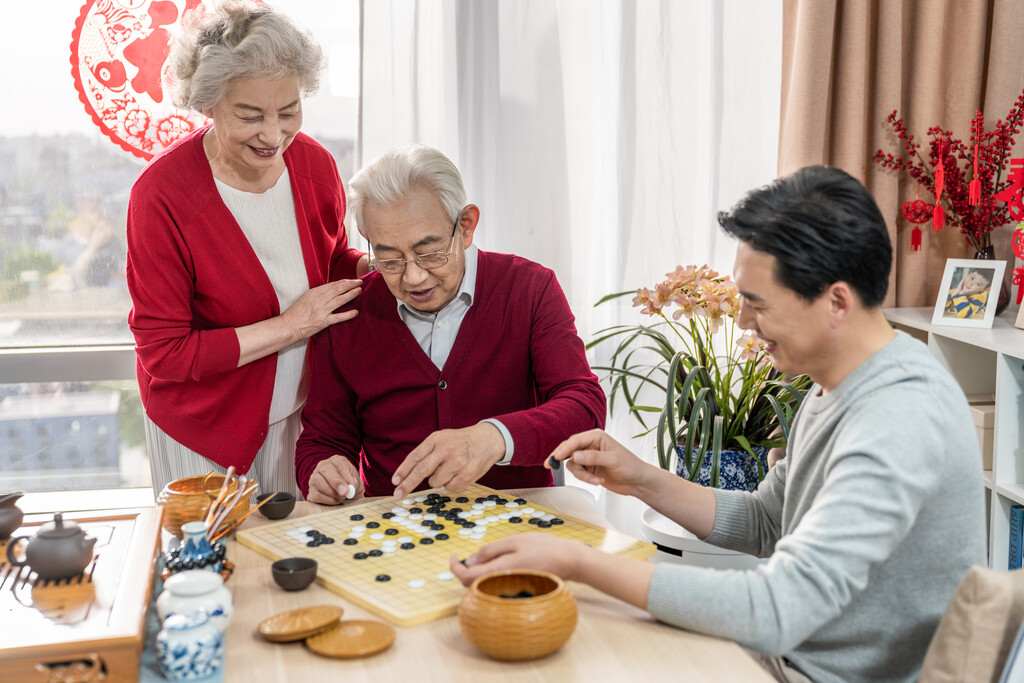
985 362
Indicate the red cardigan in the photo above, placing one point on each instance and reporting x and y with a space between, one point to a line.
517 358
193 278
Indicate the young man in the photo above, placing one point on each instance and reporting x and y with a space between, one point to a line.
876 513
462 365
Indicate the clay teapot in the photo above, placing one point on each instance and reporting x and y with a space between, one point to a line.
59 550
10 514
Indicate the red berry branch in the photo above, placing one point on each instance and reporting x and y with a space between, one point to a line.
984 160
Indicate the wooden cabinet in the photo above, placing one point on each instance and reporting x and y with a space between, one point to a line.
985 362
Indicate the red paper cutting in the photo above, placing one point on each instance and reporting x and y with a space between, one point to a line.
118 52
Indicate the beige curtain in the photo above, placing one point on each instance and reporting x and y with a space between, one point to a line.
847 64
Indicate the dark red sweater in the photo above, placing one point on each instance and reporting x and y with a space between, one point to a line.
193 278
375 395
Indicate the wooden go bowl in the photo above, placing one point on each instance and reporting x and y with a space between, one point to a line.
496 618
185 500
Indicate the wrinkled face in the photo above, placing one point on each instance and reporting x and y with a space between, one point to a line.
415 226
255 122
795 331
975 282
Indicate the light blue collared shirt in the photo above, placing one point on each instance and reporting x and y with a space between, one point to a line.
436 332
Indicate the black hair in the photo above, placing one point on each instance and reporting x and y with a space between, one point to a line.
822 226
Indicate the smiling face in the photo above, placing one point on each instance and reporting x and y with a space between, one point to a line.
795 331
253 124
415 226
975 282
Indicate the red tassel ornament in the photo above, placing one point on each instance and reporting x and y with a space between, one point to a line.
938 216
975 187
915 239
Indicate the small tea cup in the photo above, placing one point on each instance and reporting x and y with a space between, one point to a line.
294 573
279 506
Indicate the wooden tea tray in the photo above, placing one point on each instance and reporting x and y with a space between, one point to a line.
93 622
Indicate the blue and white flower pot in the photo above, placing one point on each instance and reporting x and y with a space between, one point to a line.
737 471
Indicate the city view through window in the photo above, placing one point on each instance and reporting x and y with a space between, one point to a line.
64 190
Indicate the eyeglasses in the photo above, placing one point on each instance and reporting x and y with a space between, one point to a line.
436 259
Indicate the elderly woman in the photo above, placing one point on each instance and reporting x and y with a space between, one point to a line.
237 253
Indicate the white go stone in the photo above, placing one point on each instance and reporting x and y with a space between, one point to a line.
465 515
430 515
417 583
377 536
408 501
398 510
465 532
389 543
511 504
388 549
421 499
504 515
417 516
445 576
490 503
359 527
355 534
405 539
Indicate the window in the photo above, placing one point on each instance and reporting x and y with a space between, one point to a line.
69 406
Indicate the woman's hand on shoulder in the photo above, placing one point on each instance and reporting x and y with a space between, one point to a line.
315 310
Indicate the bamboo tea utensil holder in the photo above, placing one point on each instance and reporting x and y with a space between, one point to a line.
186 500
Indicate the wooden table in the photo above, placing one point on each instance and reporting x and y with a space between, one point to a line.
612 639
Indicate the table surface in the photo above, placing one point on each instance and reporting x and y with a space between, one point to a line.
612 638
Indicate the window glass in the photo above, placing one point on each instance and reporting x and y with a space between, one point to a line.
64 184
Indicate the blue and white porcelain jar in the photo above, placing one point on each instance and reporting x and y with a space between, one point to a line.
196 590
189 647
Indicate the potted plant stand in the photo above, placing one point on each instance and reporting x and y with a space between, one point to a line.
677 545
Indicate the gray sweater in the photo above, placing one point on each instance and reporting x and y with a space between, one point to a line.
870 522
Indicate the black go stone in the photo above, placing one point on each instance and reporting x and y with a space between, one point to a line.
356 518
434 510
329 540
375 553
415 511
445 499
388 515
480 500
468 524
391 532
313 533
314 543
359 556
521 501
426 541
372 525
494 497
543 525
557 520
501 501
441 537
515 520
462 499
350 541
534 520
407 546
383 577
437 527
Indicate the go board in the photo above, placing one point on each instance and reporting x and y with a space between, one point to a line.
390 556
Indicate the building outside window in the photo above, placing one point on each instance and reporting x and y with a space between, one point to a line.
70 414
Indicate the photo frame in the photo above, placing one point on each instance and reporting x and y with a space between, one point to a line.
968 293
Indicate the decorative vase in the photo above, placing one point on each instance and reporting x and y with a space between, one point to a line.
989 254
737 471
196 551
195 590
189 647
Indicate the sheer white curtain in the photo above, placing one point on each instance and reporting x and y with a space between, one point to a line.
598 137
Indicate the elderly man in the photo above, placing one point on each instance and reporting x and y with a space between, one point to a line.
878 510
461 366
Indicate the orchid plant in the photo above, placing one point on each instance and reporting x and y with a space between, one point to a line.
714 386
